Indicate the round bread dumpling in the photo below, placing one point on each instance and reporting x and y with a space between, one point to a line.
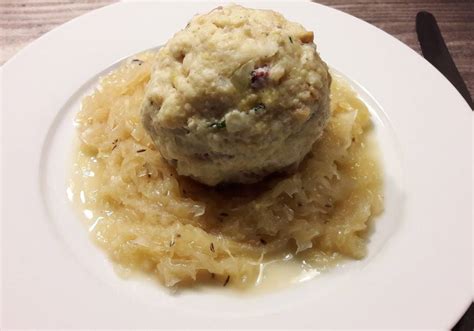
238 94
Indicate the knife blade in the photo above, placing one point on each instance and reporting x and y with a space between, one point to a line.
434 49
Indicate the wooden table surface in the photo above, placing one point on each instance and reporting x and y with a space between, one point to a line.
23 21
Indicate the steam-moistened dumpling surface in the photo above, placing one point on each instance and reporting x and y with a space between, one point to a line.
236 95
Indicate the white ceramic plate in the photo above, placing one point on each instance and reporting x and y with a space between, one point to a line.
417 274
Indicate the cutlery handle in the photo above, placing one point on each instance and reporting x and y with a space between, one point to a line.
436 52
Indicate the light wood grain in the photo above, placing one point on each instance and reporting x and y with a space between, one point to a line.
24 21
21 22
397 17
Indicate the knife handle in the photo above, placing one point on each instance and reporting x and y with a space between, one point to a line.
434 49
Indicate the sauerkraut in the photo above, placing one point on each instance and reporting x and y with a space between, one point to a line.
148 218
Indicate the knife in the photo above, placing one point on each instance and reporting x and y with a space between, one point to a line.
435 51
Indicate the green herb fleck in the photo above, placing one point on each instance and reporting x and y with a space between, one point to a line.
259 107
212 248
114 143
226 280
141 150
218 125
291 40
